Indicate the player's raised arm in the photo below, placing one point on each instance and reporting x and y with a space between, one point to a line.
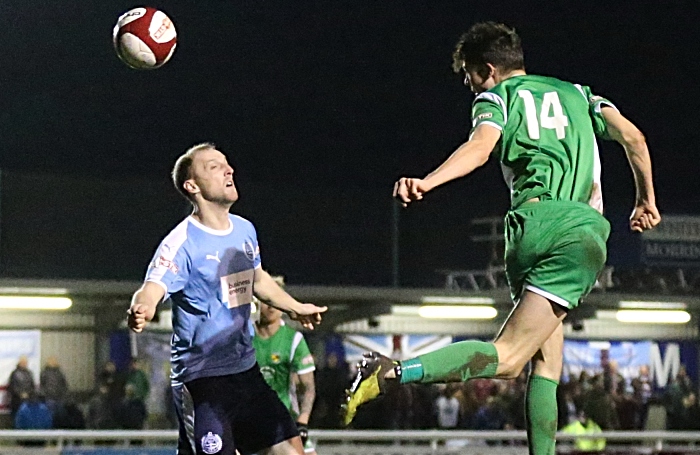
645 215
267 290
143 305
472 154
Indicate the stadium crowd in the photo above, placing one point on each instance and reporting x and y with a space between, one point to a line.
119 401
606 400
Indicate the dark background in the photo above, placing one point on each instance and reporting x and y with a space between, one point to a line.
320 106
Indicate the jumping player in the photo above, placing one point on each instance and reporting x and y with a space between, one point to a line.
543 131
209 268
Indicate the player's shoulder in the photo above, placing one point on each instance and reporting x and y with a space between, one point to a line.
240 222
177 238
288 332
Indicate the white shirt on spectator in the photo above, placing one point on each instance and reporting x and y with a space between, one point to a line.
447 411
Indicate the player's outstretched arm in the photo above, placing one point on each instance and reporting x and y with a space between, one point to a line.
645 215
266 289
143 305
472 154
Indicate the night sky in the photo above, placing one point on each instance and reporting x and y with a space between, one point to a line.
336 97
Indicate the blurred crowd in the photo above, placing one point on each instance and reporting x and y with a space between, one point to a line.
605 400
118 403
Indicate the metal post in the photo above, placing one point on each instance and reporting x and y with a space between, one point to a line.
395 215
2 263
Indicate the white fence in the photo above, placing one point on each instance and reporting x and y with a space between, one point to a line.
352 442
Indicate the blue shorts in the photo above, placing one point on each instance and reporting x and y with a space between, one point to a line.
222 414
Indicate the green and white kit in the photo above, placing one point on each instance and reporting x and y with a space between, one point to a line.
279 356
548 153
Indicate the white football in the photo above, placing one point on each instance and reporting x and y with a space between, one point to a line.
144 38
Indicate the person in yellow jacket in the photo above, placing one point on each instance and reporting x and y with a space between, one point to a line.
584 425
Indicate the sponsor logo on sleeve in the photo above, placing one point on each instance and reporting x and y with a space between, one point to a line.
249 250
308 360
160 261
484 116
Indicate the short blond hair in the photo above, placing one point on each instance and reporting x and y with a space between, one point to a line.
182 171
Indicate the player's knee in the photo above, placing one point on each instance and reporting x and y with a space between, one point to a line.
510 365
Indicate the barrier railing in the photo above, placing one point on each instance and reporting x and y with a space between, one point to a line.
366 442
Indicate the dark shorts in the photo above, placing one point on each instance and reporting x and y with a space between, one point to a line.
222 414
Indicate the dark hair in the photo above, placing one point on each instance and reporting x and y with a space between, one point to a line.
183 165
489 42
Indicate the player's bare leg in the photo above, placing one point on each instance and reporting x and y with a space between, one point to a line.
531 323
548 362
527 328
290 446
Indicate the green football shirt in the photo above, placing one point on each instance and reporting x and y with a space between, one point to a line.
548 145
279 356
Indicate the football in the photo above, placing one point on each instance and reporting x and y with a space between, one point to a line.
144 38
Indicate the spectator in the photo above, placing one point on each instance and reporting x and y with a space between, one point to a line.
423 398
137 380
584 382
33 414
53 382
330 391
599 405
402 408
447 408
69 417
113 383
629 409
108 375
690 416
614 381
514 401
566 403
21 385
643 389
673 399
100 413
132 413
584 425
468 404
491 415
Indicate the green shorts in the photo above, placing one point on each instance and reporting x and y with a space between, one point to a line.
555 249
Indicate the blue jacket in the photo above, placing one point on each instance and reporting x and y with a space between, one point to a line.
33 416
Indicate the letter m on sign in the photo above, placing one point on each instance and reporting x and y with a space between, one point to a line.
661 369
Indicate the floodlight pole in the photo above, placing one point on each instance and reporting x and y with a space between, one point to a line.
395 216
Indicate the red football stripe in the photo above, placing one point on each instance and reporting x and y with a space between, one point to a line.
140 27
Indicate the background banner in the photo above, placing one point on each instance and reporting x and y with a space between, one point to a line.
664 358
398 347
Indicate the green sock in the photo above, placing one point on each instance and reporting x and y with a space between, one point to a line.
454 363
541 414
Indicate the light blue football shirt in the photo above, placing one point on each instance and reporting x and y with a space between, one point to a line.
208 276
